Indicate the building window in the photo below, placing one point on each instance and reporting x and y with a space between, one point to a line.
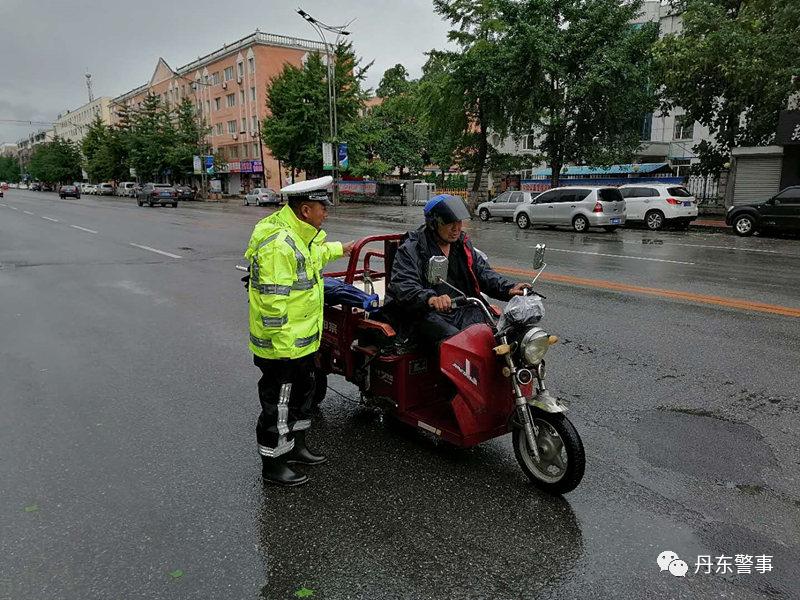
684 128
240 69
251 64
529 142
215 78
241 96
228 73
233 151
255 123
253 94
231 126
208 107
217 103
256 153
681 167
244 125
647 127
231 99
218 128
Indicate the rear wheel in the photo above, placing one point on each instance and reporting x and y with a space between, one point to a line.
744 225
654 220
562 460
484 215
580 223
523 222
174 205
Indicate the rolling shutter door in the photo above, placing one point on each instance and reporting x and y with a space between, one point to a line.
757 178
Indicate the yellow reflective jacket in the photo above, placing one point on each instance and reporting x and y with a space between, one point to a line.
286 257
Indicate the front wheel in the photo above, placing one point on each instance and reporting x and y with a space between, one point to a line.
523 222
580 223
744 225
484 214
562 460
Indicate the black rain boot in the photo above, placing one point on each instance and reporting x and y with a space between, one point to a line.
275 470
301 454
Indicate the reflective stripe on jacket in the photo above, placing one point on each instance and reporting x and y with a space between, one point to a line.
286 258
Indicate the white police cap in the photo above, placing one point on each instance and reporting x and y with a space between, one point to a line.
312 189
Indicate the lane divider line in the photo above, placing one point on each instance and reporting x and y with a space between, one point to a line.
745 305
674 262
13 208
83 228
50 219
148 248
1 204
27 212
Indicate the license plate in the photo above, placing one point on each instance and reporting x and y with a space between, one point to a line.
165 194
687 203
615 221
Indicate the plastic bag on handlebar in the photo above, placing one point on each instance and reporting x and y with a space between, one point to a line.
339 292
521 311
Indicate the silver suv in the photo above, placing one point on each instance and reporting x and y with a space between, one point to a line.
504 205
579 206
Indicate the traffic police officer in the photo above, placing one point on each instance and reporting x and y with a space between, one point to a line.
287 252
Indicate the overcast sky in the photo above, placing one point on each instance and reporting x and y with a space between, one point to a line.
47 45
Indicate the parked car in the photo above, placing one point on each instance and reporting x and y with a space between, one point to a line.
184 192
781 213
89 188
23 186
36 186
504 206
125 189
157 193
105 189
658 205
71 191
262 197
579 207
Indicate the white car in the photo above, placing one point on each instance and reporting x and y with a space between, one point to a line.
504 205
262 197
89 188
659 204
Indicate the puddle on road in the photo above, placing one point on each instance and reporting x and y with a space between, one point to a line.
703 446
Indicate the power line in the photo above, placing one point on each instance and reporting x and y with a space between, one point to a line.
26 122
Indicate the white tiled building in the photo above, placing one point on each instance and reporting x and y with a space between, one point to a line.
73 124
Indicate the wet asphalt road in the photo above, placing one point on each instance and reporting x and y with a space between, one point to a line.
127 408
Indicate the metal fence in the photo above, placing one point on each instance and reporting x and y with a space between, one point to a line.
705 188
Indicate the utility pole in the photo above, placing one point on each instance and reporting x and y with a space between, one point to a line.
340 31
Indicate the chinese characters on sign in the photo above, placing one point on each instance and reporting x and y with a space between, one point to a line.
738 564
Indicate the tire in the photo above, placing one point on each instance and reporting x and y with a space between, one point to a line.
610 228
484 215
139 202
654 220
152 204
744 225
174 205
320 386
246 202
580 223
163 204
571 444
523 222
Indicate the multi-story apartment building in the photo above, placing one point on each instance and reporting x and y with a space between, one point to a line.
73 124
229 87
8 150
26 145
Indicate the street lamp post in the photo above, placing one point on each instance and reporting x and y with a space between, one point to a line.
340 31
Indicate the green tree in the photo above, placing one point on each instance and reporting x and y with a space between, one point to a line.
56 162
9 169
150 138
190 132
105 152
467 95
731 68
297 101
394 82
579 77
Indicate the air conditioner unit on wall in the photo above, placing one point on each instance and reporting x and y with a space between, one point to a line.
224 85
234 136
239 80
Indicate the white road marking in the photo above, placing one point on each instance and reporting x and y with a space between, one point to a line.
156 251
83 228
27 212
1 204
675 262
720 247
50 219
13 208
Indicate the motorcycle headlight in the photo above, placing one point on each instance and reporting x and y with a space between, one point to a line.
534 345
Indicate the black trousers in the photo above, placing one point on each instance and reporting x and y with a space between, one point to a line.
286 392
438 326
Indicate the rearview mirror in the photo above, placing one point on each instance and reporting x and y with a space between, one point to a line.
437 269
538 256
